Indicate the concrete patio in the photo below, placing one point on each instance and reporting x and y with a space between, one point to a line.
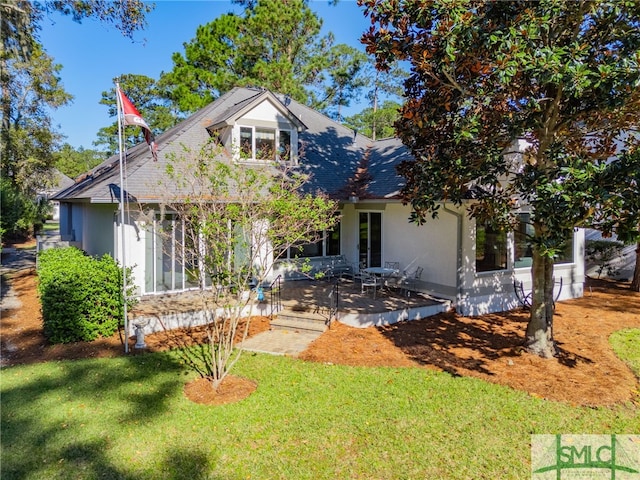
301 298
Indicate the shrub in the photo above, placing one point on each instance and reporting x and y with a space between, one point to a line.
20 215
80 295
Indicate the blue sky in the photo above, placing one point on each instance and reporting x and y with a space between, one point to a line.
92 53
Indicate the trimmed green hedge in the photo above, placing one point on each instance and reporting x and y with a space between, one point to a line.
80 295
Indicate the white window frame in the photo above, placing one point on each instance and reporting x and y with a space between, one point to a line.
277 154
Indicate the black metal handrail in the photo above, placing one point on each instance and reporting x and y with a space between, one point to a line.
334 301
275 299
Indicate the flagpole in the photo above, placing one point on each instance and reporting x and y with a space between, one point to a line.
122 218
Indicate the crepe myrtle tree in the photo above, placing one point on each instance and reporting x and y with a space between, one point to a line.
235 219
562 76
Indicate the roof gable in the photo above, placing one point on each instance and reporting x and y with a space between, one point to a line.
265 105
330 152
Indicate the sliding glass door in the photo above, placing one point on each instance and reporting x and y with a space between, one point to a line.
370 239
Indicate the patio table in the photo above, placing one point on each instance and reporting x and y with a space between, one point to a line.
381 271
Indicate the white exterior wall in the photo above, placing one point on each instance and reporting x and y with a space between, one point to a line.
431 246
349 234
265 112
487 292
135 235
97 231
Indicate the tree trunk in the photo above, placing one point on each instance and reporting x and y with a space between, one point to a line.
635 283
375 107
539 336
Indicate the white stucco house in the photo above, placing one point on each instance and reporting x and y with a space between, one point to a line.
469 264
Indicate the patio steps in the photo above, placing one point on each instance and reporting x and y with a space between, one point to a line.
299 321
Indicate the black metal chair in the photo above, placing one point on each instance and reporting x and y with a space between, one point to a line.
524 298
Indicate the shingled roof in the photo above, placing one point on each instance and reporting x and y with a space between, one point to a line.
329 151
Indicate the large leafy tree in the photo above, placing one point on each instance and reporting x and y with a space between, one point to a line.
376 122
272 44
74 162
230 242
145 94
564 76
31 88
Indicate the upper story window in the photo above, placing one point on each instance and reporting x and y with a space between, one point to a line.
262 143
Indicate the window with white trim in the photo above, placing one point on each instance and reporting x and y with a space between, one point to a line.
523 255
263 143
328 245
491 248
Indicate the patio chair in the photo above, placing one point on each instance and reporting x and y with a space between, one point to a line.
524 298
392 280
369 281
357 276
410 282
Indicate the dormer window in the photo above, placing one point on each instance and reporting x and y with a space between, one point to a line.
259 143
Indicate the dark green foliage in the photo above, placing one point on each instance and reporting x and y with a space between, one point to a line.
74 162
602 253
381 120
21 216
80 295
272 44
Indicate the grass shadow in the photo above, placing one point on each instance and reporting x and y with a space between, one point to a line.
121 390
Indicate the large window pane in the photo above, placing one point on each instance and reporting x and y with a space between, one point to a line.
566 256
333 240
523 251
375 239
246 142
329 244
523 247
265 144
166 257
491 249
310 250
150 238
284 145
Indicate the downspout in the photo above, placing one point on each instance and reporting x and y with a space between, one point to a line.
459 267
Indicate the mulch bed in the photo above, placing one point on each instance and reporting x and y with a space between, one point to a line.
586 372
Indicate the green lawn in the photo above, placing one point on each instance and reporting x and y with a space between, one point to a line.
626 344
128 418
51 227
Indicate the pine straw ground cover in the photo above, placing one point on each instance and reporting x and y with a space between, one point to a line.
586 371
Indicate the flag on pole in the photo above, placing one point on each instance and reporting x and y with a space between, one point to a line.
133 117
